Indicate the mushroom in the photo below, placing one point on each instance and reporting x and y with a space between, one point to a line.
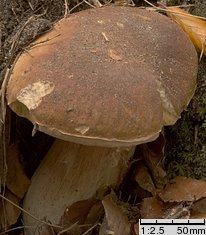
102 81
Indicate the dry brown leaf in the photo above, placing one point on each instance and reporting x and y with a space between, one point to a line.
77 212
9 213
152 207
83 212
95 214
16 181
155 208
143 177
194 27
153 155
115 222
182 189
197 215
200 206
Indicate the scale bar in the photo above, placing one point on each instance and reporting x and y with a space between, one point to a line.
172 223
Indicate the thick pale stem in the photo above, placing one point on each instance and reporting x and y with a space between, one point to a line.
72 172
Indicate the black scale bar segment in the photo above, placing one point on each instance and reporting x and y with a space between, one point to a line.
173 223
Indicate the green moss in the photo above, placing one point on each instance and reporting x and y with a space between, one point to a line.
186 140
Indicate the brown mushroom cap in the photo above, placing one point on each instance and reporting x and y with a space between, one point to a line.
111 76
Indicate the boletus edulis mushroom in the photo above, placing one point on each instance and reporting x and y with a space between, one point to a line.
102 81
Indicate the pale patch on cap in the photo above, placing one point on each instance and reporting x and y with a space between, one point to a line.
32 95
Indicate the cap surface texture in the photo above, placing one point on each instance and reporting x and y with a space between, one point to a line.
112 76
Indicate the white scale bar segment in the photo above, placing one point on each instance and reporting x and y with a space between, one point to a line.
172 227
